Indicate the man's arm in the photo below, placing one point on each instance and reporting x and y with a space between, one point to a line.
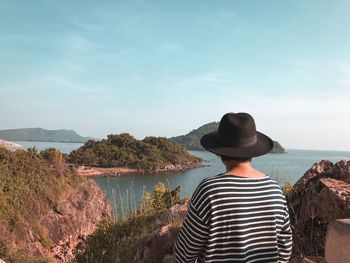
192 237
285 241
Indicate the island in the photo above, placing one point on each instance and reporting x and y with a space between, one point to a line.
42 135
122 154
191 140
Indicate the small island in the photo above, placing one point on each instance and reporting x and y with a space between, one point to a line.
191 140
123 154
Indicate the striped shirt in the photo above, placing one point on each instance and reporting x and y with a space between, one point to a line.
235 219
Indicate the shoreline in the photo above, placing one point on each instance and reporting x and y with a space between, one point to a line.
91 171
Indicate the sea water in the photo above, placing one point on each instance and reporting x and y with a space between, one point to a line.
125 192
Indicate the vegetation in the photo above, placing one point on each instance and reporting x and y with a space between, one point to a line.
30 185
151 153
42 135
191 141
118 241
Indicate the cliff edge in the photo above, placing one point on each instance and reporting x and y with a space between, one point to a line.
74 219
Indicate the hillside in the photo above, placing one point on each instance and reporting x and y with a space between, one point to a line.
42 135
30 187
191 140
151 153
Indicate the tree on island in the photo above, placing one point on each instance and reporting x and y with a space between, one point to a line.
124 150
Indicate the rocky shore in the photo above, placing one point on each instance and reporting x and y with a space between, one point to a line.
88 171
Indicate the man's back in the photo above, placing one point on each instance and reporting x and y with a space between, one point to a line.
236 219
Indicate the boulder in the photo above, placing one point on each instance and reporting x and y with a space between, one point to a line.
155 247
159 246
338 241
319 197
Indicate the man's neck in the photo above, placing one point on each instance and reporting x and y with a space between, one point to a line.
243 169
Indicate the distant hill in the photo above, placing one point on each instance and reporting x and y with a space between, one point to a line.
191 140
42 135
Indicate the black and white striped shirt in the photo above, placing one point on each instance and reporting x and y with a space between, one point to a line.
235 219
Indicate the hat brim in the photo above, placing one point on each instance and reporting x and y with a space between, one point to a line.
263 145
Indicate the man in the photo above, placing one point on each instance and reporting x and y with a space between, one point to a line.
240 215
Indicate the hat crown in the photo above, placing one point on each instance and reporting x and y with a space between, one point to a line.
237 130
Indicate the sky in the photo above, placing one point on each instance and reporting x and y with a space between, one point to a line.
164 68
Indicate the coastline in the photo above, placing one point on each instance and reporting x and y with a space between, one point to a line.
87 171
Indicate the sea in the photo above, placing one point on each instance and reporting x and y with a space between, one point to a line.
125 192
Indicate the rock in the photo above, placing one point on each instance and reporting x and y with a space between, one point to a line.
319 197
158 247
166 259
338 241
74 219
1 261
155 246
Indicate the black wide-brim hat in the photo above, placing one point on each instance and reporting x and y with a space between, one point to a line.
237 137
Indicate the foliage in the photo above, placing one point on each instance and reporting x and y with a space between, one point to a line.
151 153
117 241
29 187
286 189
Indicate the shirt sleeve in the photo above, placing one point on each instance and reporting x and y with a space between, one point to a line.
285 241
192 237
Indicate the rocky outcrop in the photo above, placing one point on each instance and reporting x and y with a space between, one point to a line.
159 246
71 222
319 197
75 219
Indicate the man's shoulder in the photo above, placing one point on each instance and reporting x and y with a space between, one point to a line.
212 179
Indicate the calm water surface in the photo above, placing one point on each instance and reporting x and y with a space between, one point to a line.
126 192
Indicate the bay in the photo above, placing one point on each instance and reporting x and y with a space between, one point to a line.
125 192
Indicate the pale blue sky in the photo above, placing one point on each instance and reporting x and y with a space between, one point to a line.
166 67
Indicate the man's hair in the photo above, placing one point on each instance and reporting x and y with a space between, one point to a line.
237 159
